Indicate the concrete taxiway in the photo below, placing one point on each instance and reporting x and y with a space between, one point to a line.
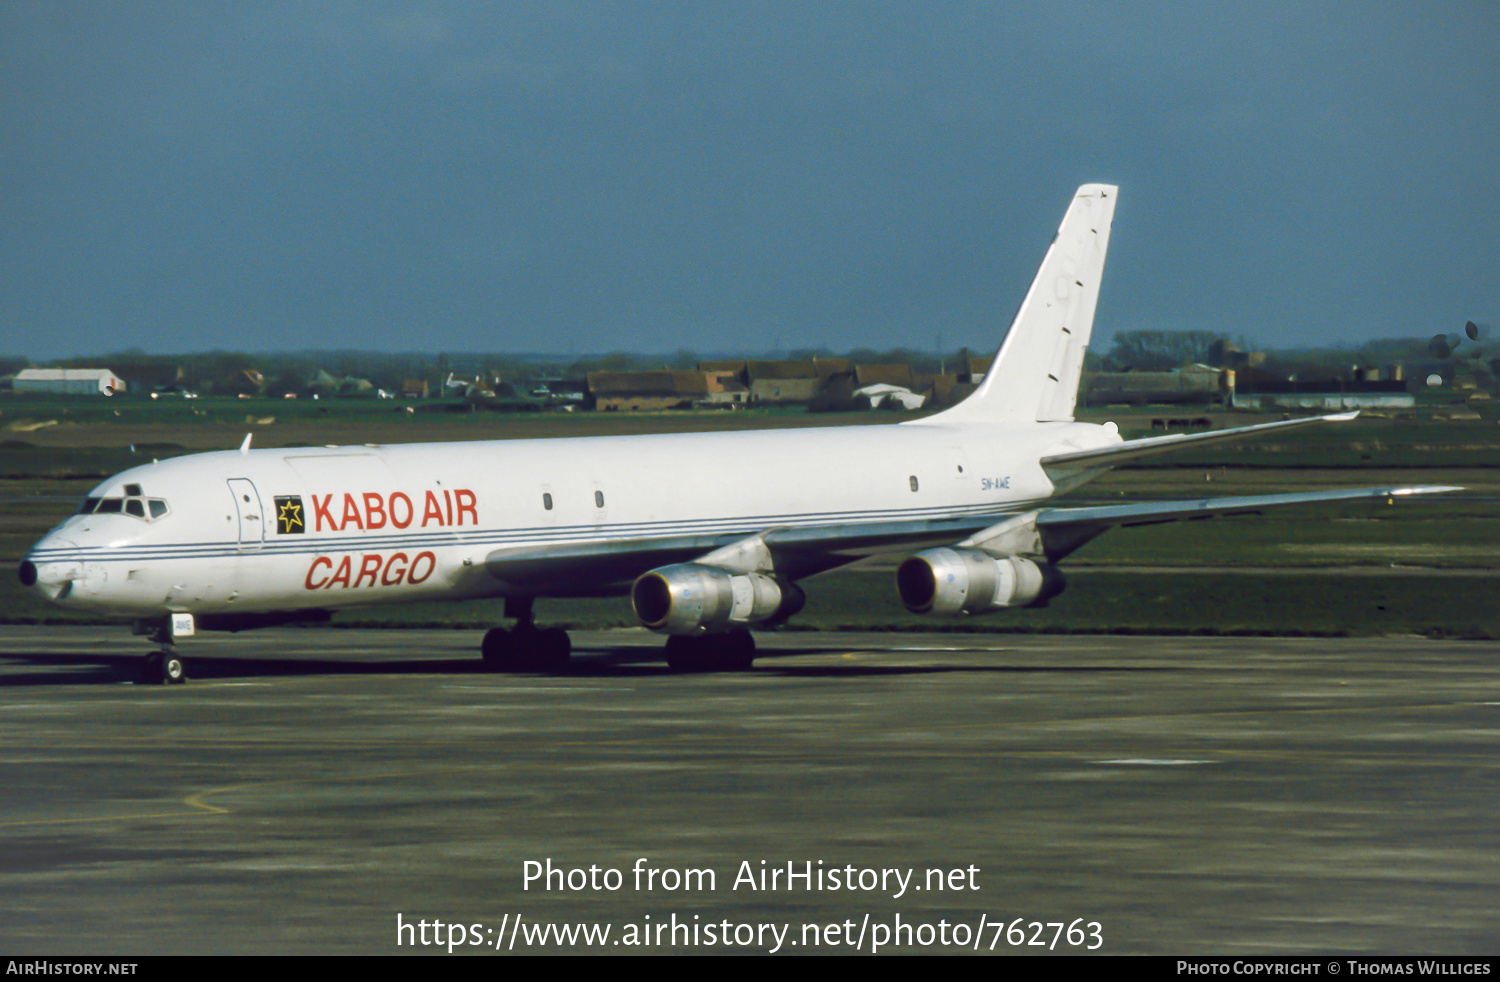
1191 796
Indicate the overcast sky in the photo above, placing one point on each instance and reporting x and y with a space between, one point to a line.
574 177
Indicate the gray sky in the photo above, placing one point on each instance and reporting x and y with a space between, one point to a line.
593 176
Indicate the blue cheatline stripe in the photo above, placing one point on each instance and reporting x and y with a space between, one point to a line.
301 544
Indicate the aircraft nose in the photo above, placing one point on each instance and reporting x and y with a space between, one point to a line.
54 579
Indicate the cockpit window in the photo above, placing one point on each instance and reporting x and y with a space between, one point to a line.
132 490
134 505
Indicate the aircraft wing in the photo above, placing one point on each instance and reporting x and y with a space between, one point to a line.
585 568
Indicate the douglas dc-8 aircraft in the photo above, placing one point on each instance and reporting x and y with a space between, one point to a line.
707 533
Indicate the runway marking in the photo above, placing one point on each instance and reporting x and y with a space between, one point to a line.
194 801
540 688
940 649
203 808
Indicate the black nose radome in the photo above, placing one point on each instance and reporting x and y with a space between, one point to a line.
28 573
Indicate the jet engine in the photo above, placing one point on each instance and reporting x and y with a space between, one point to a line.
972 581
693 598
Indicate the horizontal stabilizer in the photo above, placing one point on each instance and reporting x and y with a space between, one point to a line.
1062 468
1151 512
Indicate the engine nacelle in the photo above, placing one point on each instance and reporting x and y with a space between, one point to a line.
972 581
692 598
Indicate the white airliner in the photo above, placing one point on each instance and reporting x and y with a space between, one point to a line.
707 532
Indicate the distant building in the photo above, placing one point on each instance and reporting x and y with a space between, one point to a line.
151 376
725 388
942 388
1222 354
1198 384
69 381
735 367
897 375
782 381
570 390
644 391
1332 393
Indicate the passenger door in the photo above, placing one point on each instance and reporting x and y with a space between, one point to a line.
252 523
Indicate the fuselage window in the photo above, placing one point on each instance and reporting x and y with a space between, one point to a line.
598 499
547 500
914 482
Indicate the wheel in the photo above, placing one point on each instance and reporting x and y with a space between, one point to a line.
551 650
526 650
730 652
173 671
498 650
683 653
163 668
737 652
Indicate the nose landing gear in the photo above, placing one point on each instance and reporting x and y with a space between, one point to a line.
525 647
163 667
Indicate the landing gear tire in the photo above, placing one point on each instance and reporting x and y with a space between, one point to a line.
163 668
552 649
526 650
733 651
497 650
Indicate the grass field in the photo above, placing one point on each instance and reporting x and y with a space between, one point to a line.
1417 567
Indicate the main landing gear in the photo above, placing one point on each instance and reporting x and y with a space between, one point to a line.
525 647
732 651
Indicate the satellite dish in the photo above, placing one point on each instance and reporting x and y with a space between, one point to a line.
1434 380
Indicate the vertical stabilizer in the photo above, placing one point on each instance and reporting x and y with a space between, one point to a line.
1035 373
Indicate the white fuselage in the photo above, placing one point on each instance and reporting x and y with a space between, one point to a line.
417 522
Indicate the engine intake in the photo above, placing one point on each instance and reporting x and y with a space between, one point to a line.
691 598
971 581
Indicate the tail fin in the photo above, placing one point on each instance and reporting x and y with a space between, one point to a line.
1035 373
